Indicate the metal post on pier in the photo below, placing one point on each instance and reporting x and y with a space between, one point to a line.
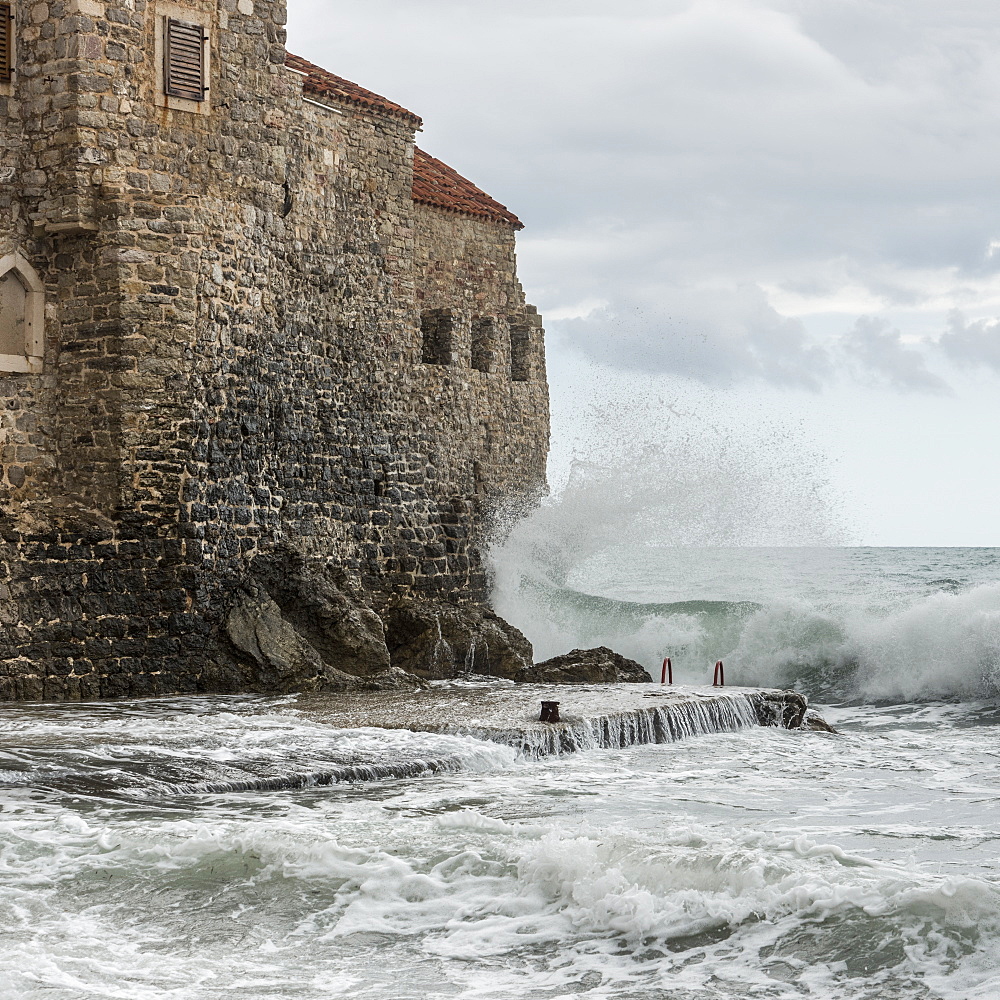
719 679
667 673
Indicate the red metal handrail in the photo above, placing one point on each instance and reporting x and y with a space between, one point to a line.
719 678
667 673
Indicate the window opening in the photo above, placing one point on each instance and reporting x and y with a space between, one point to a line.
13 308
437 326
22 311
6 43
520 350
484 344
184 59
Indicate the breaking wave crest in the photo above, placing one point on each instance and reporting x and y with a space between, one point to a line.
619 559
943 645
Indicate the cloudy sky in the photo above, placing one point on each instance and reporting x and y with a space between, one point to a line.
775 214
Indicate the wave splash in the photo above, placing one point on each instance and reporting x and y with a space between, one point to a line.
620 559
940 646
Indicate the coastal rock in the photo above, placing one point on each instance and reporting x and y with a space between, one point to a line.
589 666
328 612
278 657
786 709
300 628
436 640
814 722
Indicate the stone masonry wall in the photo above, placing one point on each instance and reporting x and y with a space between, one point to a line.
233 355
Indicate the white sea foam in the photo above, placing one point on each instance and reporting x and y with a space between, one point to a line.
756 864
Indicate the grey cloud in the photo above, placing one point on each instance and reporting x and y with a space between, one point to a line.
972 344
717 336
663 145
880 350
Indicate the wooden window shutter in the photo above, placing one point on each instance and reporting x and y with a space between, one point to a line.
184 59
6 42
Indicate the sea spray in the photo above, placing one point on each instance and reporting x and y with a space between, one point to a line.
664 496
868 624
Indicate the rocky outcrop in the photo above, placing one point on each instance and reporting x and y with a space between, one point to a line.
300 626
815 723
436 640
589 666
276 656
294 627
786 709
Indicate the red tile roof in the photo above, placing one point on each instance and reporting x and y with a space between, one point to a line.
323 84
435 183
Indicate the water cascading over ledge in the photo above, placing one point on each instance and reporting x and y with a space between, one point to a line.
609 716
657 724
470 726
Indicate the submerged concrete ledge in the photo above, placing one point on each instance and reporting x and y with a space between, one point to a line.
591 716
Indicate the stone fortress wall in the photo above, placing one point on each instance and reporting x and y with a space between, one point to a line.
286 372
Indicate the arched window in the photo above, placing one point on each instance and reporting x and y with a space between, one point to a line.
22 315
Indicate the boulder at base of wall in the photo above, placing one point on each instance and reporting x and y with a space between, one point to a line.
589 666
436 640
279 658
331 614
306 651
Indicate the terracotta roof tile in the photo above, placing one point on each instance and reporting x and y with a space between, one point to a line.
323 84
435 183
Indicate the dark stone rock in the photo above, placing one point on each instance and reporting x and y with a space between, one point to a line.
327 612
786 709
589 666
295 629
436 640
276 655
814 722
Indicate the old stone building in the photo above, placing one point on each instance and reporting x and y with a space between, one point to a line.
265 366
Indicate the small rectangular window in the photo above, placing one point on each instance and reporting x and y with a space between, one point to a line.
184 59
483 344
6 43
436 326
520 350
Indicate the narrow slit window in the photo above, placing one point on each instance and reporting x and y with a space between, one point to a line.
436 326
520 350
484 344
6 43
184 59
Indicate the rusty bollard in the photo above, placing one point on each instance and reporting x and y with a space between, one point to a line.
550 711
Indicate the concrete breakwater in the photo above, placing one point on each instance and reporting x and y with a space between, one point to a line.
480 724
592 716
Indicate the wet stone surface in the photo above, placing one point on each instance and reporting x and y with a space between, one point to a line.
591 715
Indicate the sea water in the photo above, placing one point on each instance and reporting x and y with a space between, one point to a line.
759 863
